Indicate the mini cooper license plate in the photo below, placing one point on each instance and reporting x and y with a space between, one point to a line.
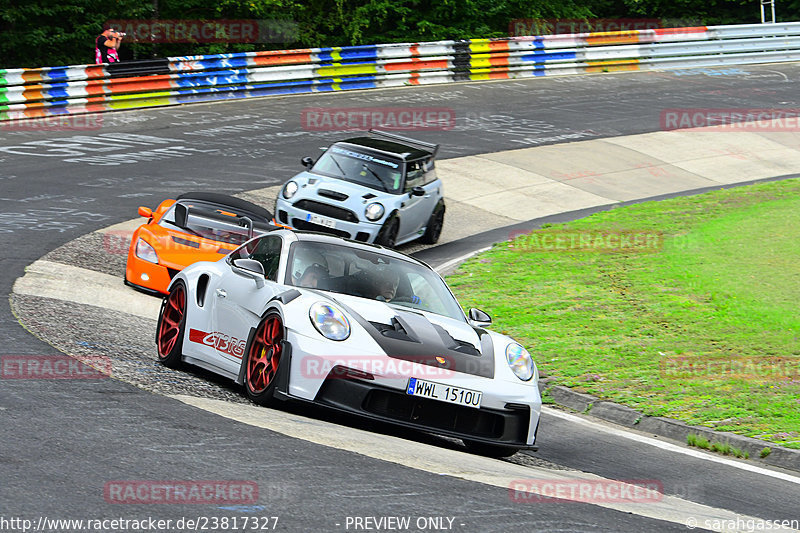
444 393
322 221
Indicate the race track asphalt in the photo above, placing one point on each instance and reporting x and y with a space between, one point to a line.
63 440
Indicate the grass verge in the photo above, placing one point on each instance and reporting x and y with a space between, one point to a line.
685 308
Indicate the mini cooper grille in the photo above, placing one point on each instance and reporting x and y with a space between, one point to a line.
326 210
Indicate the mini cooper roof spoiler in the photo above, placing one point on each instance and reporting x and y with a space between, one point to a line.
434 147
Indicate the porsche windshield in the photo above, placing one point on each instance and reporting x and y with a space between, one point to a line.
375 172
368 274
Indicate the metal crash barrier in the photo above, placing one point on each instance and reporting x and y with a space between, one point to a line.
52 91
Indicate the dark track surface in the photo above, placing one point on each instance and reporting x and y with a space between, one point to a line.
64 439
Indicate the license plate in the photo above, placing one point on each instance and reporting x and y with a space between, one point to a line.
444 393
322 221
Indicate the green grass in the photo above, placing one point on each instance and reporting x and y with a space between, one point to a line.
718 447
697 441
700 323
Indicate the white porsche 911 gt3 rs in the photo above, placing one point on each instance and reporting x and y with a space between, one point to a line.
355 327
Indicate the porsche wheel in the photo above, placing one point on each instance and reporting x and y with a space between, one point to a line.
434 227
387 236
262 360
171 326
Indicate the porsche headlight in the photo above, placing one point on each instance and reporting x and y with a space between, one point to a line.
329 321
374 211
520 361
145 251
290 189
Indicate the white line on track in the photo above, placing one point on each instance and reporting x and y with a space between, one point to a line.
444 266
458 464
667 446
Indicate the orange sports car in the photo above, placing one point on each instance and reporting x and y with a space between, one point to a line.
197 226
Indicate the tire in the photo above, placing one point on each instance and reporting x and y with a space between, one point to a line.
172 326
387 236
232 201
263 356
434 227
490 450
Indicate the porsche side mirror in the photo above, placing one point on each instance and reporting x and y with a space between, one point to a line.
479 318
145 212
418 191
307 162
250 268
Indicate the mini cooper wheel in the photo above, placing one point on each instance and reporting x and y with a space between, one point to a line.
262 359
387 236
171 326
434 227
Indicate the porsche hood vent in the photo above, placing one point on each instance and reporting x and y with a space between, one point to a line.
412 337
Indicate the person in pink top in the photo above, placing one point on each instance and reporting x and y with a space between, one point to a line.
107 44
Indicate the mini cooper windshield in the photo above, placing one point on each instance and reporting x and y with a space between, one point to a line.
371 171
368 274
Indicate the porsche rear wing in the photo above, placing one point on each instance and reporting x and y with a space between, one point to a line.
432 148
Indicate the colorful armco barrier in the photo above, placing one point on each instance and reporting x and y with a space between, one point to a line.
41 92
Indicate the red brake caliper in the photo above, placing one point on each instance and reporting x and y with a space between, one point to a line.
264 355
171 321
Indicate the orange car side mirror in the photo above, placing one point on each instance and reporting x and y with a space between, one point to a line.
145 212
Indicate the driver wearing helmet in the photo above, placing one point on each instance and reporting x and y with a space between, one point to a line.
385 281
309 269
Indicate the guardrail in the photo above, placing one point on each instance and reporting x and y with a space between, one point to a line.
42 92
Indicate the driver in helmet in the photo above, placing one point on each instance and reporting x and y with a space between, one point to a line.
385 281
309 269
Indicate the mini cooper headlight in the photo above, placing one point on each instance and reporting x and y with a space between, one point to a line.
145 251
290 189
329 321
374 211
520 361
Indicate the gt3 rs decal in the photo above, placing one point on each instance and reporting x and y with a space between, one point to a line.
222 342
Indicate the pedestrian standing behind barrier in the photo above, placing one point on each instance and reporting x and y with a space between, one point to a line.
107 44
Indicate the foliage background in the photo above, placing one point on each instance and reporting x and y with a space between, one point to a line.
62 32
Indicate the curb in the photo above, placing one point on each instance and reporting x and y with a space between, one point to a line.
666 427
